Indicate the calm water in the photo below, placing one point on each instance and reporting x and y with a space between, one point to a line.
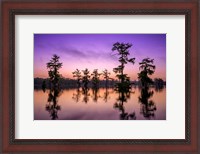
101 104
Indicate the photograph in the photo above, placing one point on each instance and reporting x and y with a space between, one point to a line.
99 76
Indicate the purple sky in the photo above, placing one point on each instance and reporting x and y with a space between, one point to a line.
93 51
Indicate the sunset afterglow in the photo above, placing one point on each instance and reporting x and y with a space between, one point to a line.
94 51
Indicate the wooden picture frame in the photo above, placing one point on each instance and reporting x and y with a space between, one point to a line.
11 8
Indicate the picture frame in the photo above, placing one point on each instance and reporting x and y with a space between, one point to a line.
188 145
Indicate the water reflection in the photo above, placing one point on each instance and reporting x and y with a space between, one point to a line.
86 94
106 95
159 88
95 94
148 107
52 106
100 104
76 96
122 98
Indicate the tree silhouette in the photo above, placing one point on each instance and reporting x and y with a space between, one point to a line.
85 78
77 75
106 76
122 52
147 68
95 78
54 65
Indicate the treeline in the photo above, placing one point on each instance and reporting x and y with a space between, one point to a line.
66 83
157 82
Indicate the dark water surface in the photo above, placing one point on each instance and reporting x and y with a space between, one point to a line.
101 104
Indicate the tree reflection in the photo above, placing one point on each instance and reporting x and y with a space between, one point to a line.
106 95
159 84
95 92
86 94
122 98
159 89
52 106
44 86
76 96
148 107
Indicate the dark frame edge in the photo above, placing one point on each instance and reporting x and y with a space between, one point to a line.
1 79
14 141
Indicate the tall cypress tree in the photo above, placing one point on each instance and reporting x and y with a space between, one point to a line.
122 50
95 78
106 76
77 75
85 78
147 68
54 65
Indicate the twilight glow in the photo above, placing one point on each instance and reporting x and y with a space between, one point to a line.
94 51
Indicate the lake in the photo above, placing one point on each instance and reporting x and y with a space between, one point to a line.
100 104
